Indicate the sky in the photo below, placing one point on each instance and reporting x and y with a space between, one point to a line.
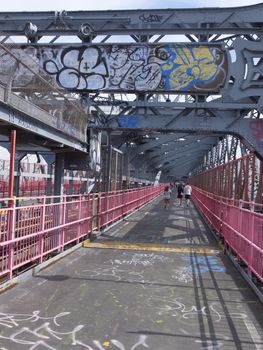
85 5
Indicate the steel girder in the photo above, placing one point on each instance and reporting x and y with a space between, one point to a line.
159 156
138 23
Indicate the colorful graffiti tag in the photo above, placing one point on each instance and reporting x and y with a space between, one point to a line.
148 67
162 67
138 68
197 68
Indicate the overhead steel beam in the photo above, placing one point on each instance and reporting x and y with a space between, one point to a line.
227 122
164 105
85 24
177 155
152 144
182 152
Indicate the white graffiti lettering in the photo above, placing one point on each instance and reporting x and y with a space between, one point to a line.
175 307
141 259
44 335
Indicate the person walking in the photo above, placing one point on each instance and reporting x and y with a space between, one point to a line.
187 193
167 197
180 191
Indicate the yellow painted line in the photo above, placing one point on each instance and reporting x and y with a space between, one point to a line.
86 243
150 247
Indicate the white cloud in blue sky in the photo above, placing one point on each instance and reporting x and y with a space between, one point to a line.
75 5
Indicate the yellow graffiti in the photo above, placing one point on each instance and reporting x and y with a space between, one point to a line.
106 343
188 66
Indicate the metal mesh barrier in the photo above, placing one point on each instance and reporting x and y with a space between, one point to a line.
25 86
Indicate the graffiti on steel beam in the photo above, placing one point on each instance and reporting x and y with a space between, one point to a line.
22 121
128 121
95 152
145 67
151 18
160 67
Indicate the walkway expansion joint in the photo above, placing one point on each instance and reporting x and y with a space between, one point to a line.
150 247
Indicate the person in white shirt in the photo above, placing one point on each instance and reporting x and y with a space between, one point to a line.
167 197
187 193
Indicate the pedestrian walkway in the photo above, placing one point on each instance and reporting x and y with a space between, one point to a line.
157 280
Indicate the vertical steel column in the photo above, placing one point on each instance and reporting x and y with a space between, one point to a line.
11 204
49 179
59 174
17 171
17 177
12 164
85 183
70 189
120 168
126 168
107 183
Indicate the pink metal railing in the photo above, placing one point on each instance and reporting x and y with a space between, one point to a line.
239 222
30 185
114 205
30 233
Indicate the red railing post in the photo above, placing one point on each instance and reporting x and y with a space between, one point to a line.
62 221
98 212
42 228
11 235
79 217
251 236
122 202
240 216
107 208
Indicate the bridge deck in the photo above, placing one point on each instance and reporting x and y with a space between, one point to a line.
160 283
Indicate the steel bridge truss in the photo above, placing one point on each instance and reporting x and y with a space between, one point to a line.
169 127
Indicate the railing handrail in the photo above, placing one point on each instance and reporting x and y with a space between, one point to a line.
238 224
30 232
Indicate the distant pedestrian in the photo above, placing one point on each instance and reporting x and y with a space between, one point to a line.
180 191
187 193
167 197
